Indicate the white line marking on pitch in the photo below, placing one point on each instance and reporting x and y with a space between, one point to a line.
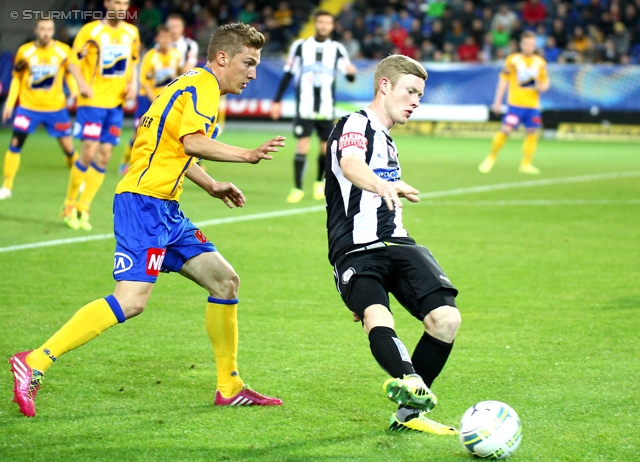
534 202
317 208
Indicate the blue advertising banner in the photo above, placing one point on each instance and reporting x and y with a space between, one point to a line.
573 87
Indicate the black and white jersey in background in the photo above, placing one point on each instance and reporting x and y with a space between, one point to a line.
355 217
188 49
314 65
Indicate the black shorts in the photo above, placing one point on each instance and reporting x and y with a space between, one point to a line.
409 272
303 128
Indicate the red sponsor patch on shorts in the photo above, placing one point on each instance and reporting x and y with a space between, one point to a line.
537 120
62 126
201 237
155 257
352 139
115 131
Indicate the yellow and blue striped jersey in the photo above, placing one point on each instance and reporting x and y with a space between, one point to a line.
38 76
187 105
523 72
158 69
107 56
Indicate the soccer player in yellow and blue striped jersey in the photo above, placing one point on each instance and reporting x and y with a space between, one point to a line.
525 76
160 65
153 235
108 52
40 69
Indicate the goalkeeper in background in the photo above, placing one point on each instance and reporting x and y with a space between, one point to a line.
525 76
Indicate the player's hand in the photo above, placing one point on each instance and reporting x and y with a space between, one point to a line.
262 152
228 193
387 191
497 108
85 90
6 113
276 110
408 192
130 91
351 69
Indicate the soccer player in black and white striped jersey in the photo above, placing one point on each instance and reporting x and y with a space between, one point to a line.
373 254
313 62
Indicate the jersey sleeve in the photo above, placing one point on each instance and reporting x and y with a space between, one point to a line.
80 42
543 75
192 54
19 67
135 46
507 70
294 52
199 111
146 69
352 140
343 60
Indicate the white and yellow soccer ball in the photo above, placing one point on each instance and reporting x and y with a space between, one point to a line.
491 430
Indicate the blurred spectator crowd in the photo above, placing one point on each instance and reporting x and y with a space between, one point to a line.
473 31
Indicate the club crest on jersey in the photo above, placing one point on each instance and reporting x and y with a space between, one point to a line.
348 274
352 139
393 154
155 257
121 263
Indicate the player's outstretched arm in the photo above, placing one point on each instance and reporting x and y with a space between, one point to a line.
501 89
225 191
202 147
360 174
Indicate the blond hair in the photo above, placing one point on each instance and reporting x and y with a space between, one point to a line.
395 66
232 38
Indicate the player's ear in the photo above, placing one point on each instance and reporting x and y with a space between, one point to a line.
222 59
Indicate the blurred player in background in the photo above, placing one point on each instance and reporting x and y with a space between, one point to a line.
108 51
38 72
153 235
160 65
372 253
525 75
189 50
313 63
187 47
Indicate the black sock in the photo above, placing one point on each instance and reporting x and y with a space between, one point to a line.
430 357
321 164
389 351
299 164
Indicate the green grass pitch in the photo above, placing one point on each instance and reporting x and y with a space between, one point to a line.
548 270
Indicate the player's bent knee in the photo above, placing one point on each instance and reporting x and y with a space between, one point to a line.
17 140
226 287
443 322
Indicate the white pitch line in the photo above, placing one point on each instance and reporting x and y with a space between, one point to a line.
534 202
318 208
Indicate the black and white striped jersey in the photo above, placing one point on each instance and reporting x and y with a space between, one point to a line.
314 65
356 218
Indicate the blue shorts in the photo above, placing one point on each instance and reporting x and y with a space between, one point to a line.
99 124
530 118
143 104
57 123
152 235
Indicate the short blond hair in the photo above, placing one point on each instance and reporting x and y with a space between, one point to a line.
231 38
395 66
